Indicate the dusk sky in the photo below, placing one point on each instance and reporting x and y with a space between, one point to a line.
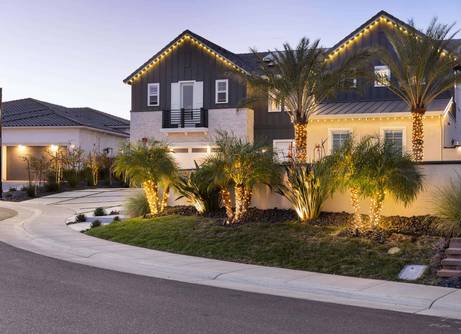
77 52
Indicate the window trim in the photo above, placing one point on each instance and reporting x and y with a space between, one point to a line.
221 91
332 131
381 67
383 129
149 95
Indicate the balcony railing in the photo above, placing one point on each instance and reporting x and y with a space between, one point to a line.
185 118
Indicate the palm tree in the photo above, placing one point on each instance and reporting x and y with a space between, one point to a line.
240 165
299 80
151 166
350 163
198 187
386 171
422 67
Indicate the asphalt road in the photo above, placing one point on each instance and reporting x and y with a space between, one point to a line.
43 295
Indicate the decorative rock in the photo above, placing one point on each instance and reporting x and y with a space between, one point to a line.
412 272
393 251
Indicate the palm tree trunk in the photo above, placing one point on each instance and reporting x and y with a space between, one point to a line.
417 133
239 202
357 223
226 198
301 142
165 195
151 190
247 196
376 209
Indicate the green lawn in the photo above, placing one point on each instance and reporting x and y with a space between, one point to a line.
289 245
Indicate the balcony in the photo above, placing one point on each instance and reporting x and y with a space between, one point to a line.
182 120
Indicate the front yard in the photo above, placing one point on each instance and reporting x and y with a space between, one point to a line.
318 246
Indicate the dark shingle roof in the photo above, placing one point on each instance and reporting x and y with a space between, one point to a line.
374 107
32 112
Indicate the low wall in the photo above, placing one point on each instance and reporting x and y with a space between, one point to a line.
436 175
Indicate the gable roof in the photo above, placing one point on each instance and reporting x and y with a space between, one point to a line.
381 17
225 56
32 112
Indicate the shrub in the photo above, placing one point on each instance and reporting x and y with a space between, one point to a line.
99 212
96 223
116 219
30 191
308 186
137 205
12 189
80 218
114 212
199 189
448 207
72 177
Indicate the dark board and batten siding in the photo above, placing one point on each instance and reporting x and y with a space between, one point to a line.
187 62
366 91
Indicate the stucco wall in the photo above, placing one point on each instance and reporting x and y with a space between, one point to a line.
319 130
436 176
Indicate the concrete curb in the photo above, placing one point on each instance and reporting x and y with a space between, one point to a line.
39 227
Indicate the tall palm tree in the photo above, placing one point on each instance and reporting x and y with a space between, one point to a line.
422 67
151 166
299 79
241 165
386 171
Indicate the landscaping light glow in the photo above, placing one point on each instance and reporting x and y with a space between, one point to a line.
54 148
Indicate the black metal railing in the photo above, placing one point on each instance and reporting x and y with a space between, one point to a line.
185 118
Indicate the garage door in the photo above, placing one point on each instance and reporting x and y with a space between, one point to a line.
16 169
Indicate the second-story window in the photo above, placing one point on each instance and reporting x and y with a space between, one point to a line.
222 91
382 76
153 94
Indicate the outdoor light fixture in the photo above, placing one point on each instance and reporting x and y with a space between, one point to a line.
21 148
54 148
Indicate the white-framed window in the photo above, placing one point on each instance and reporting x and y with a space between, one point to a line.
153 94
383 75
395 137
338 137
222 91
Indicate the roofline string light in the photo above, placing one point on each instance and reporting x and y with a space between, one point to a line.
366 30
175 45
363 32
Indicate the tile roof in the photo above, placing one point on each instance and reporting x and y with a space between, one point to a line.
32 112
374 107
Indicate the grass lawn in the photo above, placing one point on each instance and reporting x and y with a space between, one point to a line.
288 245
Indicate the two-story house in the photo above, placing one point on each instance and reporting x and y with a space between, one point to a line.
188 91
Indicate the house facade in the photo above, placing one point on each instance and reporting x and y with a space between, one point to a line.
189 91
33 128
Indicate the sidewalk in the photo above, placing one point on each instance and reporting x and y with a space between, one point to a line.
39 227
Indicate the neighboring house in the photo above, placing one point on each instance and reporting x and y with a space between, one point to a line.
189 90
32 127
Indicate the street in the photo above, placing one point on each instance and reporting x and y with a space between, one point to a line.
44 295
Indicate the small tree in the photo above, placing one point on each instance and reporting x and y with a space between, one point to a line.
240 165
386 170
93 162
151 166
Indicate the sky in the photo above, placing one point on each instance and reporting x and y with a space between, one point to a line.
77 52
